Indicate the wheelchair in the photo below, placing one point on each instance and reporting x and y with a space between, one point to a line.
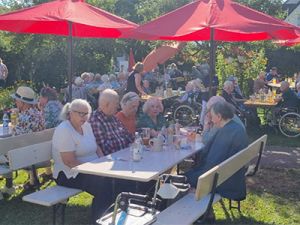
187 113
287 120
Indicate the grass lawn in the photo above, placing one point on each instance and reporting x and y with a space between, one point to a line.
273 198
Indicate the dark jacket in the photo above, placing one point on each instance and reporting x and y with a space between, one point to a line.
228 140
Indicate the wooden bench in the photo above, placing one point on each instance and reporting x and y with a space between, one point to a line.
13 142
189 208
55 196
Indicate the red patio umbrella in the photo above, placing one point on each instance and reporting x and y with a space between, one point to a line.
215 20
290 42
131 61
161 54
72 18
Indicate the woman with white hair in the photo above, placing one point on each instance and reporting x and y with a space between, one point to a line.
152 116
74 143
106 84
127 116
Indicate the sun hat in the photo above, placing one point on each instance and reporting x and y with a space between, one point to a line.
25 94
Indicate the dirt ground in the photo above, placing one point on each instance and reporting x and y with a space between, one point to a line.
281 157
279 172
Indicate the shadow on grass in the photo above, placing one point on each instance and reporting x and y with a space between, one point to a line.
14 211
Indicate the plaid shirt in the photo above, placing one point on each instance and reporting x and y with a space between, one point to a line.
111 135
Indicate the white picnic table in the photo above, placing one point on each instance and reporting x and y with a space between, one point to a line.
153 163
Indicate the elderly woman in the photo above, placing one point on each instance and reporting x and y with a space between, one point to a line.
152 116
50 107
229 140
127 116
74 143
113 82
105 83
134 82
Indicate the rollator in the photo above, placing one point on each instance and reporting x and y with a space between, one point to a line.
136 209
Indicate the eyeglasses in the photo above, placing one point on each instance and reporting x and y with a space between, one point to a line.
81 114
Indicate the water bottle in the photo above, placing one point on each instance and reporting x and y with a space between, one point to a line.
5 121
137 148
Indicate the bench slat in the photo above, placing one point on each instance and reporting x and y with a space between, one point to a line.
51 195
185 211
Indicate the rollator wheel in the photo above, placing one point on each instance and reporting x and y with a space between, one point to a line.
289 125
185 115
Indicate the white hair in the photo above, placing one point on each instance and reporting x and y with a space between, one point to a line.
153 100
128 98
298 85
228 84
105 78
112 77
107 96
74 105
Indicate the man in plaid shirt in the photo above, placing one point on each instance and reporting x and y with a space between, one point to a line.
111 135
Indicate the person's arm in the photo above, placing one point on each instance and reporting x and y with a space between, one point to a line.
69 159
99 152
138 80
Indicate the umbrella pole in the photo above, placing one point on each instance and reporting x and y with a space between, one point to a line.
212 59
70 63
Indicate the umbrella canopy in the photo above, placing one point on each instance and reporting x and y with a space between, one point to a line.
54 17
290 42
161 54
215 20
230 21
72 18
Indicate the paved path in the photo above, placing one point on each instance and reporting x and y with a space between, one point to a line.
281 157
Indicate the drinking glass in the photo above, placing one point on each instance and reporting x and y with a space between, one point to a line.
146 136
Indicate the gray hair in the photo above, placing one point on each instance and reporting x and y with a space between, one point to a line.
298 85
224 109
107 95
74 105
105 78
213 100
112 77
152 100
128 98
228 84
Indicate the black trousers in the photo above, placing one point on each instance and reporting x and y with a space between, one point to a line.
99 187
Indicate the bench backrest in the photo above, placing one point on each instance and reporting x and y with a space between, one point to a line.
30 155
24 140
228 167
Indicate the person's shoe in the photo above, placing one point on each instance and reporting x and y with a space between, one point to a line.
29 187
8 190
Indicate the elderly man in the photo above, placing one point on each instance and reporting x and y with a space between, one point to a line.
111 135
289 98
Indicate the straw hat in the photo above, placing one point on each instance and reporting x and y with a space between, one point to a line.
25 94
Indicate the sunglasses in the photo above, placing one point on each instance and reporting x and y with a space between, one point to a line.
81 114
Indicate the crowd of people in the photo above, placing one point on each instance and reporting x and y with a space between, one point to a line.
83 134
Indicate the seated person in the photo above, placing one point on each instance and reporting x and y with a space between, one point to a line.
146 86
259 83
113 82
127 116
230 138
50 107
272 74
298 89
74 143
152 116
289 98
237 93
110 133
209 130
227 93
189 87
